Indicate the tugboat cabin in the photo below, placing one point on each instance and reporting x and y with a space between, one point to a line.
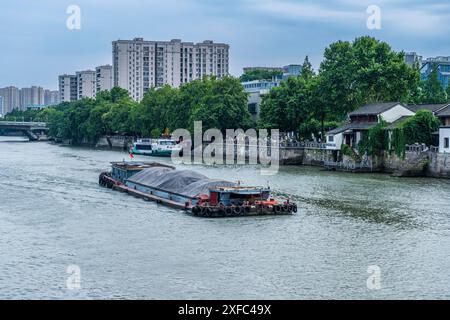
237 195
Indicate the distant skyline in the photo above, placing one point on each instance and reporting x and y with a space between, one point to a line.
37 46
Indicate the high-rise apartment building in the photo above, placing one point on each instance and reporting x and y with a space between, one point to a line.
25 97
68 88
33 96
37 94
51 97
412 59
1 107
11 98
86 82
103 79
139 65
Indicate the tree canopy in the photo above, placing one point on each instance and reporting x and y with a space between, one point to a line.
219 103
366 70
260 74
432 90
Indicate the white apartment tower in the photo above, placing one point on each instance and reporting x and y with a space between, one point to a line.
139 65
11 98
26 98
34 96
103 78
51 97
86 82
68 88
1 107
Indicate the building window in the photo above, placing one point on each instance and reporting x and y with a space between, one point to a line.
446 143
331 138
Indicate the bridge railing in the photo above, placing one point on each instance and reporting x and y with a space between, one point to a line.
23 123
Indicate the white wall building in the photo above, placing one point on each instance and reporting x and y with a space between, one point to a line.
34 96
68 88
364 118
139 65
11 98
103 80
26 98
86 84
257 89
1 106
37 95
51 97
444 139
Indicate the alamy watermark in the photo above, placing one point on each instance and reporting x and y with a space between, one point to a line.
73 22
374 280
374 19
237 147
73 281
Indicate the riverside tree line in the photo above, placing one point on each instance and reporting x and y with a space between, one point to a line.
352 74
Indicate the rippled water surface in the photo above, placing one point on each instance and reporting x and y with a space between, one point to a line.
53 214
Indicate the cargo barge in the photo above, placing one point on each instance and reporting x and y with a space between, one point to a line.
191 191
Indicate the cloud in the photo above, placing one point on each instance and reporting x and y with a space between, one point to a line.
415 22
401 16
303 10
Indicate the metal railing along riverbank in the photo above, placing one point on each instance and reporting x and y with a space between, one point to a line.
347 166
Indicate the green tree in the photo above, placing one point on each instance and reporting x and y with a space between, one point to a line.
420 127
375 141
190 95
433 92
54 118
307 70
260 75
156 109
286 106
224 106
364 71
117 116
23 115
448 92
313 128
95 125
416 129
114 95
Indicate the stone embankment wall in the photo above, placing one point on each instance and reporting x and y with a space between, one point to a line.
419 164
413 164
114 142
316 157
291 156
439 165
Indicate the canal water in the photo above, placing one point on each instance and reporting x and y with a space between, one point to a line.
53 215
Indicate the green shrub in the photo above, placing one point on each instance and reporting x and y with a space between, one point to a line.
375 141
155 133
346 150
416 129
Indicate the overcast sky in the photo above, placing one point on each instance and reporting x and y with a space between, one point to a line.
36 45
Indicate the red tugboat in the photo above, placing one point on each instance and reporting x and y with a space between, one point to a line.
191 191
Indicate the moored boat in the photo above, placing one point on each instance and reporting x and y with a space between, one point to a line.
155 147
192 191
